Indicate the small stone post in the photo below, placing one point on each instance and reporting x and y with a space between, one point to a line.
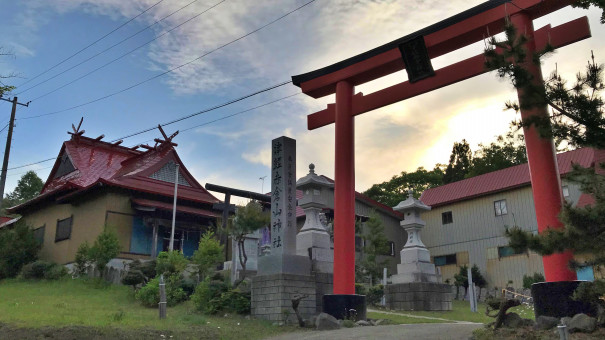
162 303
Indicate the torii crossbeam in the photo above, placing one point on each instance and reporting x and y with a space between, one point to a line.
417 49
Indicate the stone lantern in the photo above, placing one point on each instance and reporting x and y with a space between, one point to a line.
416 263
313 239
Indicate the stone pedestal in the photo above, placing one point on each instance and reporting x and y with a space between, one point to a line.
272 295
419 296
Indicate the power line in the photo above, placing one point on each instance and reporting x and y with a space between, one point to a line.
22 173
206 110
94 42
170 70
187 129
112 46
228 116
34 163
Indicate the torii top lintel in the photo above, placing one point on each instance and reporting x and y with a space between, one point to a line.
443 37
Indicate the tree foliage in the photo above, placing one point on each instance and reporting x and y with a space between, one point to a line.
396 190
248 219
375 244
5 88
28 187
507 151
208 254
576 114
18 247
460 162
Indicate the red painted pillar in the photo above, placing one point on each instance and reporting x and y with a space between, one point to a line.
344 192
544 172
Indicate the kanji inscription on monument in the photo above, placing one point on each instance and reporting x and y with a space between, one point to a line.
283 196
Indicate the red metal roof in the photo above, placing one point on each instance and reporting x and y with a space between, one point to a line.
101 162
179 208
505 179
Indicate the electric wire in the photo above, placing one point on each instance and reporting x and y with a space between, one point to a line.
187 129
204 110
114 45
172 69
94 42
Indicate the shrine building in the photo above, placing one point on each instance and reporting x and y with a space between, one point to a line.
96 184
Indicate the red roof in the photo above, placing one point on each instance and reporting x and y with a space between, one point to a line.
98 162
505 179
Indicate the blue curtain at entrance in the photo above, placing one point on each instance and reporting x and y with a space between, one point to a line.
141 238
585 273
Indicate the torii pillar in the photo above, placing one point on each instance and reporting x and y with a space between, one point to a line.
413 53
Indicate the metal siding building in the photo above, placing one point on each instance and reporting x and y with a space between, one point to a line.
476 232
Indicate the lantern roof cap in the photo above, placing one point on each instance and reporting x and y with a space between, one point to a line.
313 178
411 203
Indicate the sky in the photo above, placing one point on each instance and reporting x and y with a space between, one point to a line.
184 55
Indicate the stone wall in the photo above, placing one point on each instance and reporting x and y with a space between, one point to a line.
419 296
323 285
272 296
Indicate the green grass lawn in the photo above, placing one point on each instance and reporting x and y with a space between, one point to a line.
34 304
460 312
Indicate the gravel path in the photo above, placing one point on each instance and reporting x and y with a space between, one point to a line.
446 331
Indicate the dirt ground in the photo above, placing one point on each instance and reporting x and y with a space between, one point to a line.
92 333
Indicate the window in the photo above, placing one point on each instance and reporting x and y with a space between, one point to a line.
358 243
390 250
565 191
39 234
508 251
500 207
63 229
447 218
445 260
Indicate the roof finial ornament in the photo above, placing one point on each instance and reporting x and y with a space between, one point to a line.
77 132
311 168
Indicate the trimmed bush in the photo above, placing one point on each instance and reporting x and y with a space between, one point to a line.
528 280
149 295
206 292
375 294
213 296
43 270
360 289
170 262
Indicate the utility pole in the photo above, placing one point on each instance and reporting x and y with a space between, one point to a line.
9 139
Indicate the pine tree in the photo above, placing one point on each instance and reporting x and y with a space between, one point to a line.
460 162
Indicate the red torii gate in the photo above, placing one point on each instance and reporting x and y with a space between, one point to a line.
443 37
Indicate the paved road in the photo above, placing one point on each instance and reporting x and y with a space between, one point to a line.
445 331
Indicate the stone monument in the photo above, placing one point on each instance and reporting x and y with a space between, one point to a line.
282 274
417 285
313 239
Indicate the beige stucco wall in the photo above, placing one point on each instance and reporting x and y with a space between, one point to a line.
89 218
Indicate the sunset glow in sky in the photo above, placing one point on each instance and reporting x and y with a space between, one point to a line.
235 151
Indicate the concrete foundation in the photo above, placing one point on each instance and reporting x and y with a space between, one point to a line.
272 295
428 296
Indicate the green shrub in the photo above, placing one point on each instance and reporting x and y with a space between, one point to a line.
213 296
148 269
348 323
55 272
82 260
170 262
360 289
43 270
207 295
18 247
235 301
208 254
134 275
35 270
149 295
375 294
528 280
105 248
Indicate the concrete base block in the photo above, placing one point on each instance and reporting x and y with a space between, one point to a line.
284 264
428 296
